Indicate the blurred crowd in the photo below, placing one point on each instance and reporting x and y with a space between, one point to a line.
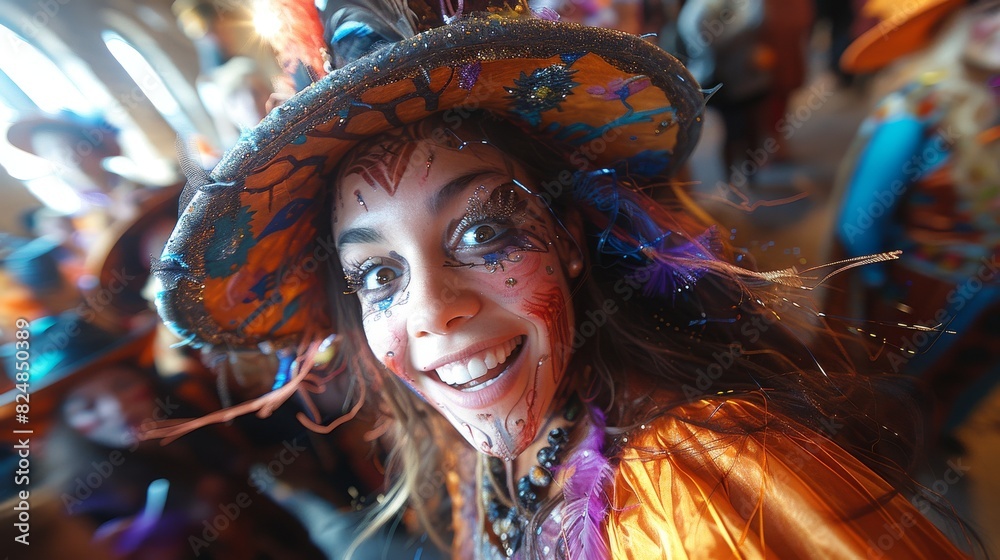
915 88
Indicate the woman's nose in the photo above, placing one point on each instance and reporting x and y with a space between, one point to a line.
442 300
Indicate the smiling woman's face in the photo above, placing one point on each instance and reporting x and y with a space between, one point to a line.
462 280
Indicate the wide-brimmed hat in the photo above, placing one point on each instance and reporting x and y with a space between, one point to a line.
92 130
61 350
246 262
901 28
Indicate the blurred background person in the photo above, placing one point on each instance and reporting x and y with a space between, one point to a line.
923 177
723 44
78 148
233 86
92 394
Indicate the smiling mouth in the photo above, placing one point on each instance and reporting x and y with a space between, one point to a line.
479 371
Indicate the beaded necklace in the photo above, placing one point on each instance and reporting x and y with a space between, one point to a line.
508 523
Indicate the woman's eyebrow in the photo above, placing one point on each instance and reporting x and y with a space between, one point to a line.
359 235
450 189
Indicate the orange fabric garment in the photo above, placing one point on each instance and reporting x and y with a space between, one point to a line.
726 479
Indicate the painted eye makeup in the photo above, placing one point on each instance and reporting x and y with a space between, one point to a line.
376 281
497 228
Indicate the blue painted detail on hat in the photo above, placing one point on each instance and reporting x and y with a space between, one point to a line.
289 310
578 133
230 244
262 287
647 163
543 90
570 58
299 140
286 217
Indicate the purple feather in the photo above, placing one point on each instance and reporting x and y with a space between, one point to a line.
586 499
669 268
546 13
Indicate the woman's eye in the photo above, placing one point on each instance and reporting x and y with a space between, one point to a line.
480 234
379 277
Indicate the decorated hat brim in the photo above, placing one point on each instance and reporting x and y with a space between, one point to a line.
903 33
246 262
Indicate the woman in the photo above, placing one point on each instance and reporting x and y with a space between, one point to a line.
566 367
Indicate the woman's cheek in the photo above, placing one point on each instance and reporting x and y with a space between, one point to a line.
386 336
533 272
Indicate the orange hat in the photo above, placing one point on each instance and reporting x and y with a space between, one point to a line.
257 221
903 27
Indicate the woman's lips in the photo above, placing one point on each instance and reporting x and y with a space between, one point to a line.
490 388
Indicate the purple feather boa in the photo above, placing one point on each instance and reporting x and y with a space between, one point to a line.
586 500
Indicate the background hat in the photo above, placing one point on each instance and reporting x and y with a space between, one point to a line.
120 259
61 349
902 28
91 129
35 264
246 262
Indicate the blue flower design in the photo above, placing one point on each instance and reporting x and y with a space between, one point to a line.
543 90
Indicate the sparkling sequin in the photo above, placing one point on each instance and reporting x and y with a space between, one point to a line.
361 201
468 75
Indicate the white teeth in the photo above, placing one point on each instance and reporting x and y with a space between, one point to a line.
457 373
477 368
464 375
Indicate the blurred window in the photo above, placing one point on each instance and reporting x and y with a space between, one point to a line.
149 81
31 82
38 77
